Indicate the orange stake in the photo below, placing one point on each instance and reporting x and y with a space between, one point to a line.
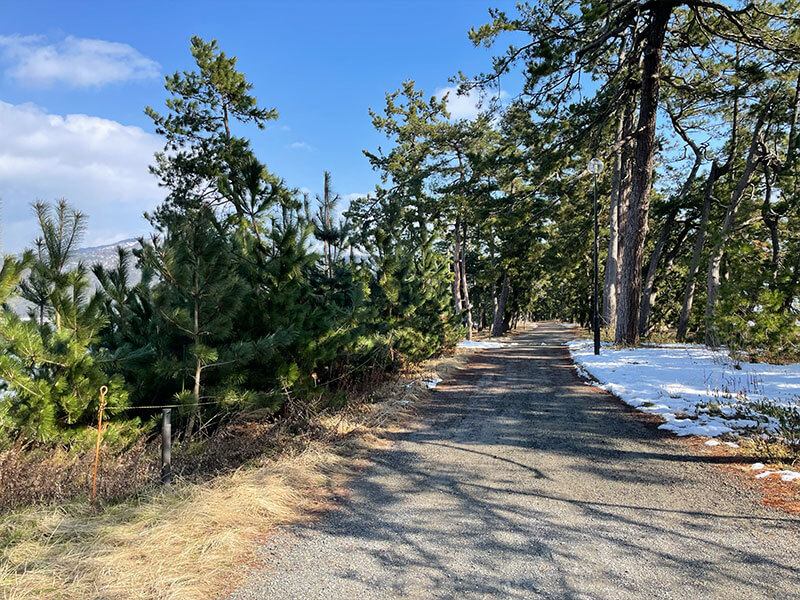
103 392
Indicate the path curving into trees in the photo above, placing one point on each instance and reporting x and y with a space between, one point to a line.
521 482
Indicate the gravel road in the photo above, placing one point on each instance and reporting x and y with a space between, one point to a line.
522 482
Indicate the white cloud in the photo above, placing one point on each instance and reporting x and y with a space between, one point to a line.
73 62
466 106
301 146
98 165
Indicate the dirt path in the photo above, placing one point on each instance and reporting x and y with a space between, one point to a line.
522 482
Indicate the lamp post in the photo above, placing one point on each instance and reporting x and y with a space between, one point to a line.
595 167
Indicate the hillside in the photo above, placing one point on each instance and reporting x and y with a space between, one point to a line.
104 255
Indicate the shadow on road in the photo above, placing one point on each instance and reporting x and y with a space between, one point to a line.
521 481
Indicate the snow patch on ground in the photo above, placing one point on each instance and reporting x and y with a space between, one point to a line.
785 474
696 390
430 382
479 345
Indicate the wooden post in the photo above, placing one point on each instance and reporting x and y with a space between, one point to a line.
103 392
166 447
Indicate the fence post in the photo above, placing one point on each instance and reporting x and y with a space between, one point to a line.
103 392
166 447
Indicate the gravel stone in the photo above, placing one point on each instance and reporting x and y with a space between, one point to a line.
523 482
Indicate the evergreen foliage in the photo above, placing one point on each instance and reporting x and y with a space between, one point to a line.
47 365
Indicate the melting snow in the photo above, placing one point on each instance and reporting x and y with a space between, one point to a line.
785 474
431 383
697 391
478 345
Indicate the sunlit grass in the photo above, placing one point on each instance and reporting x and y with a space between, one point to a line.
196 540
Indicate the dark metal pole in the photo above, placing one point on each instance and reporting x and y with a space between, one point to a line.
595 300
166 447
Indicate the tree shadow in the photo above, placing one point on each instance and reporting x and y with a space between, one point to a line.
522 482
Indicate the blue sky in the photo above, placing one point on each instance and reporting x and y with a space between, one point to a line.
75 78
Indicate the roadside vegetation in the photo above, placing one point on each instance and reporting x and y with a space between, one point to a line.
198 537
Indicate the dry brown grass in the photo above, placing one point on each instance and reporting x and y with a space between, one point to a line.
191 542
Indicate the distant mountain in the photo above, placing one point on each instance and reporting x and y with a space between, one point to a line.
105 255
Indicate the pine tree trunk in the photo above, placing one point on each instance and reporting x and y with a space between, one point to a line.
328 225
715 260
457 267
464 286
611 278
198 366
497 324
624 197
627 330
195 411
770 219
697 254
612 266
648 294
494 276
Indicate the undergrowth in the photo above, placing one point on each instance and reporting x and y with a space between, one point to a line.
193 540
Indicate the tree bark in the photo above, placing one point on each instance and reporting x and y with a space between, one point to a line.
612 256
648 294
715 260
627 330
464 286
198 367
715 173
697 255
655 257
497 325
494 277
615 212
624 196
327 216
770 218
457 266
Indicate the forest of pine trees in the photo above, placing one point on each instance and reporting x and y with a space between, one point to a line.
253 295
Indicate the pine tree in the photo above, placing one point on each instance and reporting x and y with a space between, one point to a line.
569 39
198 297
50 369
62 228
136 341
201 147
